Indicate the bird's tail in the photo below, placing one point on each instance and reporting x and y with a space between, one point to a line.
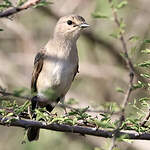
33 133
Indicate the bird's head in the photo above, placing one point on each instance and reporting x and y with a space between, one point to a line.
70 27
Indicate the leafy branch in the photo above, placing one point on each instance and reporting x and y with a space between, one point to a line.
74 129
18 94
75 121
120 25
21 6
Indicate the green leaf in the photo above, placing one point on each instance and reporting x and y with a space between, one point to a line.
5 4
9 114
103 123
144 99
22 108
68 121
2 112
115 35
138 85
57 120
147 51
122 137
21 2
146 41
41 115
145 64
99 15
122 25
118 89
145 75
75 121
121 4
134 38
42 4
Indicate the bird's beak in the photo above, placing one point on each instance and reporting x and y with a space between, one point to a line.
84 25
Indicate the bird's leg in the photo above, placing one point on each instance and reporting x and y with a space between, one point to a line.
63 105
50 107
34 101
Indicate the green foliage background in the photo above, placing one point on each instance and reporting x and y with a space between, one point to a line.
103 77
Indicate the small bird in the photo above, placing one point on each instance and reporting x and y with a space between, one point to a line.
56 66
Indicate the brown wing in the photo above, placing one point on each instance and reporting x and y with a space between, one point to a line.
38 64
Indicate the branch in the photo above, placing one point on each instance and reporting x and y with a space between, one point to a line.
15 10
146 119
83 130
131 76
128 62
4 93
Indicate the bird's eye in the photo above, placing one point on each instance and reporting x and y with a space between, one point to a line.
69 22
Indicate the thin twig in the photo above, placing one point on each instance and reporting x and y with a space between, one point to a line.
146 119
15 10
4 93
128 62
131 77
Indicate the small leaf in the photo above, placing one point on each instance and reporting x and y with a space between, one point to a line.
145 75
147 51
5 4
42 4
99 15
21 2
138 85
121 4
122 25
146 41
144 64
75 121
115 35
10 114
118 89
144 99
134 38
122 137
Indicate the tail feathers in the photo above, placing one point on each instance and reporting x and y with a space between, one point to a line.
33 133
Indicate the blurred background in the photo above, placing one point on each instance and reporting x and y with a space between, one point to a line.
101 67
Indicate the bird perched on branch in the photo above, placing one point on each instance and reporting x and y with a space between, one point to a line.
56 66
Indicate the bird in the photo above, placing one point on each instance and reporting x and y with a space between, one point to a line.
56 66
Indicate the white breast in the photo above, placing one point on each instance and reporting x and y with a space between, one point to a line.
57 76
58 73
